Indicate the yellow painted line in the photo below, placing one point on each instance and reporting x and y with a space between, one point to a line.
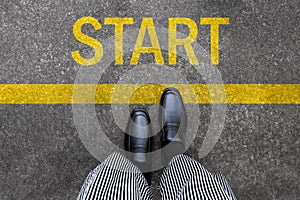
148 94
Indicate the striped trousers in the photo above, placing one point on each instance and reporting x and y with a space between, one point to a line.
184 178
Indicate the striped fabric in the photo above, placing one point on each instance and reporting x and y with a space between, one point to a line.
184 178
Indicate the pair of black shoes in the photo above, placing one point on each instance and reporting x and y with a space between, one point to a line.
172 117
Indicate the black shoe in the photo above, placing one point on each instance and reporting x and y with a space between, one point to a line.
173 120
138 138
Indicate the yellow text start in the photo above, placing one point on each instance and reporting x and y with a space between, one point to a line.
147 26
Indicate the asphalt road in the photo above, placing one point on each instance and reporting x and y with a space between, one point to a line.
41 154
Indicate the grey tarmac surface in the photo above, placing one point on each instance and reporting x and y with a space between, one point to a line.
41 154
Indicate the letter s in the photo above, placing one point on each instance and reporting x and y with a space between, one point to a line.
85 39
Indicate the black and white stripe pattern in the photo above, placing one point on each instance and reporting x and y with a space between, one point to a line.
115 178
184 178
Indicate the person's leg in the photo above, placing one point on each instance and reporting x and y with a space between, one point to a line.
115 178
185 178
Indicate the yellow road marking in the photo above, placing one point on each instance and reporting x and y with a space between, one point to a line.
148 94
